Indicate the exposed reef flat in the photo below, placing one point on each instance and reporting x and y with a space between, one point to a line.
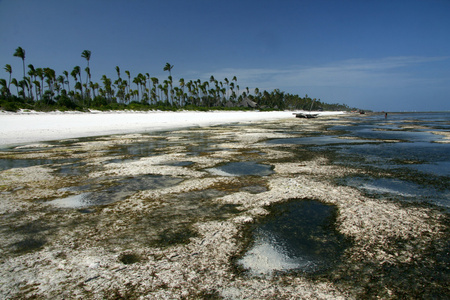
156 223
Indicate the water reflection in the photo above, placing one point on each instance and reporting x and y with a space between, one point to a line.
394 188
8 163
298 235
383 132
318 140
242 169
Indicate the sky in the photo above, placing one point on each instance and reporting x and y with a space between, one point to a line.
381 55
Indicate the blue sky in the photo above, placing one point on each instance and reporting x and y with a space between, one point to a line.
382 55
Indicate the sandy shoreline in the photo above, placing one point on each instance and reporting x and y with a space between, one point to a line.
30 127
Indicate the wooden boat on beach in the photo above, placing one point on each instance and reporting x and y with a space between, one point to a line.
306 116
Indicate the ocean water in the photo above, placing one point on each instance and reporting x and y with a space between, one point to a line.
411 147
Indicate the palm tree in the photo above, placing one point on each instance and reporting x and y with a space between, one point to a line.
217 93
60 79
40 74
155 83
125 87
178 94
32 73
78 85
129 81
78 71
137 81
74 74
14 82
8 69
51 76
119 84
165 90
57 87
107 83
87 55
93 86
168 67
182 84
171 88
4 91
142 83
67 77
21 53
30 81
37 85
88 81
118 71
32 70
227 83
23 84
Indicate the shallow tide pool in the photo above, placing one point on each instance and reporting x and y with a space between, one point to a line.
298 235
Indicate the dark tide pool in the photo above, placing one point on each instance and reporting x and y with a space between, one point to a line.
7 163
298 236
245 168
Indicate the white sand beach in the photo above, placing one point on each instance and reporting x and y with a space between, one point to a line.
30 127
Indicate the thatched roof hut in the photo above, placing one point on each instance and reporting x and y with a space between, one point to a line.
229 104
246 102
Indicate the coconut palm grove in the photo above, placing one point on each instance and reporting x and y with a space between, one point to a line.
40 88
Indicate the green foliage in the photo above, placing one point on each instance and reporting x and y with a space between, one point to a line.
14 103
65 103
8 106
45 105
99 102
138 106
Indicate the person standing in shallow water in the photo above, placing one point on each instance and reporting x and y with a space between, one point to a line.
385 115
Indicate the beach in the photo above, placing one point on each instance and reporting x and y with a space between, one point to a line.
263 206
29 127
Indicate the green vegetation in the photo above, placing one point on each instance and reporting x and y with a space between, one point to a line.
43 90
